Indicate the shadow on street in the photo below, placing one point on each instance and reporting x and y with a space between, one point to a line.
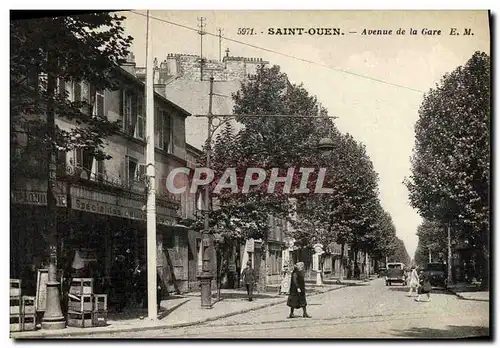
163 314
479 332
434 290
244 296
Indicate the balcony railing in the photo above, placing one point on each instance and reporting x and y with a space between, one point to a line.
37 169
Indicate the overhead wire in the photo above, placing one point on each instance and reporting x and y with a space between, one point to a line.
283 54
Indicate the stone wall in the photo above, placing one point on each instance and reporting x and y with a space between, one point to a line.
188 66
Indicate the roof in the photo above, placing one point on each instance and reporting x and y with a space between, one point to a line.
194 97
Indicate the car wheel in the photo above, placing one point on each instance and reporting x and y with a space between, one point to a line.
386 284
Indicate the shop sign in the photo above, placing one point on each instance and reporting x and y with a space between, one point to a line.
104 208
35 198
250 246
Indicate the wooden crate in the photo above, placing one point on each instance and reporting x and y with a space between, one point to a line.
100 303
76 319
81 286
15 305
28 322
15 287
15 323
100 318
80 303
28 305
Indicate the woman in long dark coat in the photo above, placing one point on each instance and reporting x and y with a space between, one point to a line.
297 294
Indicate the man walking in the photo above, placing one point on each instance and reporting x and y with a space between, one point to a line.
249 279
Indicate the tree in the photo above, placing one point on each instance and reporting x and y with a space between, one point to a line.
431 239
399 254
451 161
47 54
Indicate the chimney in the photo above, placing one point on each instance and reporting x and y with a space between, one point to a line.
129 64
161 76
172 65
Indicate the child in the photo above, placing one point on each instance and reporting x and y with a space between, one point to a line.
424 287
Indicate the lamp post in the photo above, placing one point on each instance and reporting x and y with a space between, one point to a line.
206 275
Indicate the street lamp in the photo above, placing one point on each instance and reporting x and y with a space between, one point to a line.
325 145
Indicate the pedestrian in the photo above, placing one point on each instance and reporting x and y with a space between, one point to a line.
357 271
297 295
425 286
119 281
249 279
413 281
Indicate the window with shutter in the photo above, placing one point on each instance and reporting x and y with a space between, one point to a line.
159 131
167 137
83 160
132 167
77 91
140 129
85 95
141 173
99 170
99 104
127 113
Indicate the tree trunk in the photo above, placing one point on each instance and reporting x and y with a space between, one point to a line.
485 262
341 277
450 258
367 267
53 317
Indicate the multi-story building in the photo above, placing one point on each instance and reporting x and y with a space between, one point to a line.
101 204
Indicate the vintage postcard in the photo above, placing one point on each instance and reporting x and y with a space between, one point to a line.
250 174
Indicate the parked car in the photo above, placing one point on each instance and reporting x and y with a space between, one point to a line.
438 274
382 272
395 274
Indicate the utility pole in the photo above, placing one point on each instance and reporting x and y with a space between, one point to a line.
201 32
150 173
430 255
206 275
220 44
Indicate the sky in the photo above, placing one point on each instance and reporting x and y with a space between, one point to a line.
380 115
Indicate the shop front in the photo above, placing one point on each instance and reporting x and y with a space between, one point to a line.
96 230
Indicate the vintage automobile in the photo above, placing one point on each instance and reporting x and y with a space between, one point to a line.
382 272
395 273
438 274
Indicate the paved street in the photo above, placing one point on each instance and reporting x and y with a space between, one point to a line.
369 310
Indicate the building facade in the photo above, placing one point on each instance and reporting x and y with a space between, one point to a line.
101 204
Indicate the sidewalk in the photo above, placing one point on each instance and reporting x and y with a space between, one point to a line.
180 311
466 291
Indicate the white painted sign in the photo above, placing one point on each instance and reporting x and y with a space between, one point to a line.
250 246
316 262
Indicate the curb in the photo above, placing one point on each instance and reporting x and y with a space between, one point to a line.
467 299
62 334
